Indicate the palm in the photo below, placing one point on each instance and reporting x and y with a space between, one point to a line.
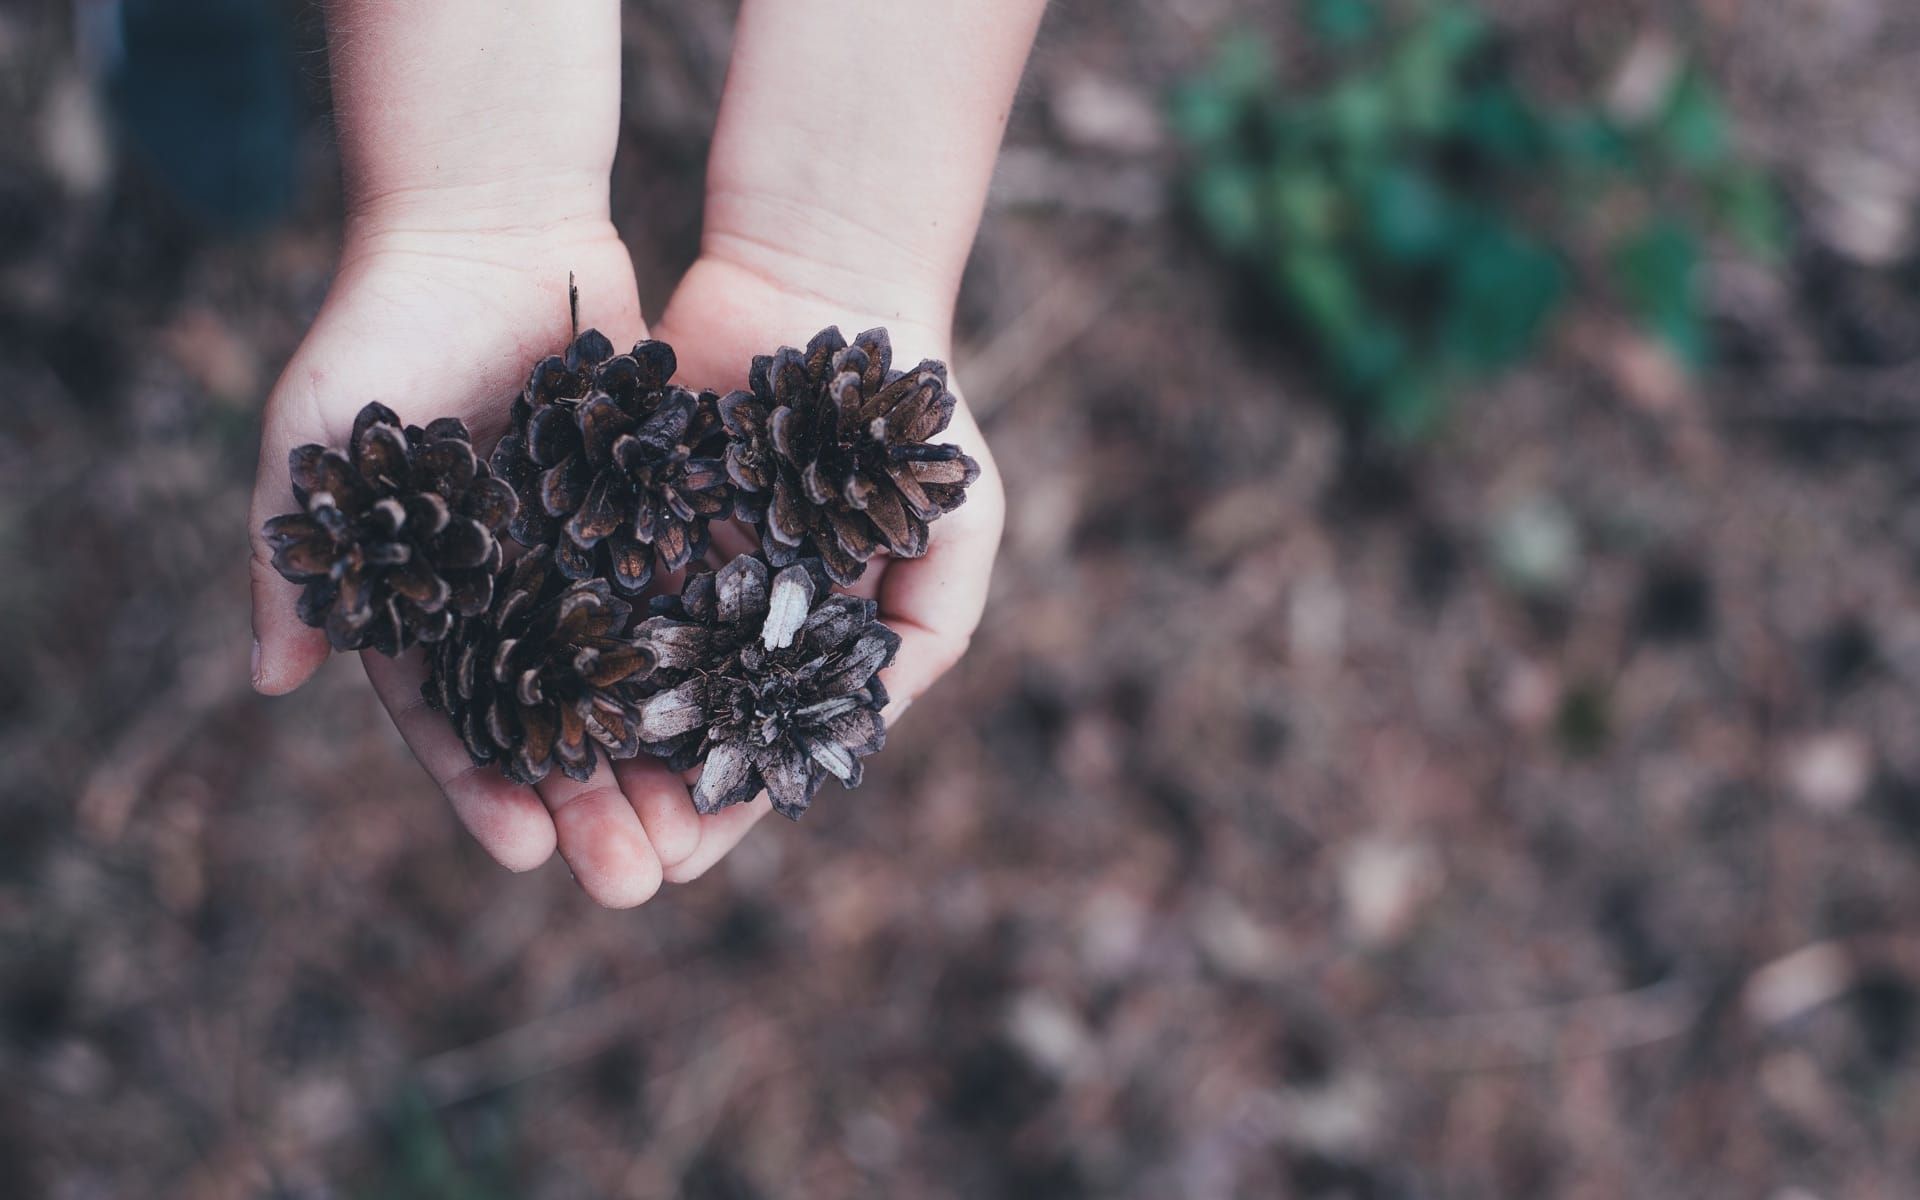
717 320
449 330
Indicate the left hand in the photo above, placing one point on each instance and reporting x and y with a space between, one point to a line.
723 314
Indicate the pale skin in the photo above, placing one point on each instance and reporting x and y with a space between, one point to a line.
848 171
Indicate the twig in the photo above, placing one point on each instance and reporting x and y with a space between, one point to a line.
1779 991
1583 1028
544 1044
694 1106
206 684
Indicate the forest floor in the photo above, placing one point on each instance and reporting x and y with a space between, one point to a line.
1532 813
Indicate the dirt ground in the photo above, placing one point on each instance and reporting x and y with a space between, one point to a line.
1535 814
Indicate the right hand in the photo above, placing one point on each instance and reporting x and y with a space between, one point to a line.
447 324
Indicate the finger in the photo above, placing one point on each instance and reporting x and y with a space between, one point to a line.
934 602
719 833
286 652
507 819
867 587
665 809
601 838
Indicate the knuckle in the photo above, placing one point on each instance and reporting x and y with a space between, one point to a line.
586 799
464 784
408 706
260 566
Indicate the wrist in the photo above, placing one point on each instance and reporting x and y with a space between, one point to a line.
722 314
492 236
528 207
514 276
454 117
819 260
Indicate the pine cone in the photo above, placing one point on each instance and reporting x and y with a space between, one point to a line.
398 537
773 687
548 668
829 449
614 467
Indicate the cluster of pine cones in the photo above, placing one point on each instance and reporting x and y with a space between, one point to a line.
757 671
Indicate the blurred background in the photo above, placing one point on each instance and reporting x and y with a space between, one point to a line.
1445 726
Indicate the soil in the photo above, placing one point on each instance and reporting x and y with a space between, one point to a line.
1534 812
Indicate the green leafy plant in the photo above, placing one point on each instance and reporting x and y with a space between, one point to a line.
421 1163
1416 216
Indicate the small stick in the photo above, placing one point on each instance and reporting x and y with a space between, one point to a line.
573 303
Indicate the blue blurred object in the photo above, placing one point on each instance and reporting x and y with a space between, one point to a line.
205 93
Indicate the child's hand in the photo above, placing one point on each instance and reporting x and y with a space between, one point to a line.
476 143
718 319
446 325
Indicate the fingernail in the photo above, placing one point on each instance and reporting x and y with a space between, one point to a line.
256 662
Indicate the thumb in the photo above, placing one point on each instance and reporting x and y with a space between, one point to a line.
286 652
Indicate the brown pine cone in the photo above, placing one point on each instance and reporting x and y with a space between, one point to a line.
615 467
545 674
829 450
397 537
771 684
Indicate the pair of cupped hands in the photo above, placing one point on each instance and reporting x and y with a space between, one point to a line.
445 319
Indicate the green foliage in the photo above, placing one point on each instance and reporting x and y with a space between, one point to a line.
1656 269
1500 289
1583 723
1343 22
1412 212
1748 205
422 1164
1692 127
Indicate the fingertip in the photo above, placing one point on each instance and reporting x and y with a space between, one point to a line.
520 841
686 871
286 653
719 834
659 798
509 821
603 845
521 860
924 656
284 662
628 891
